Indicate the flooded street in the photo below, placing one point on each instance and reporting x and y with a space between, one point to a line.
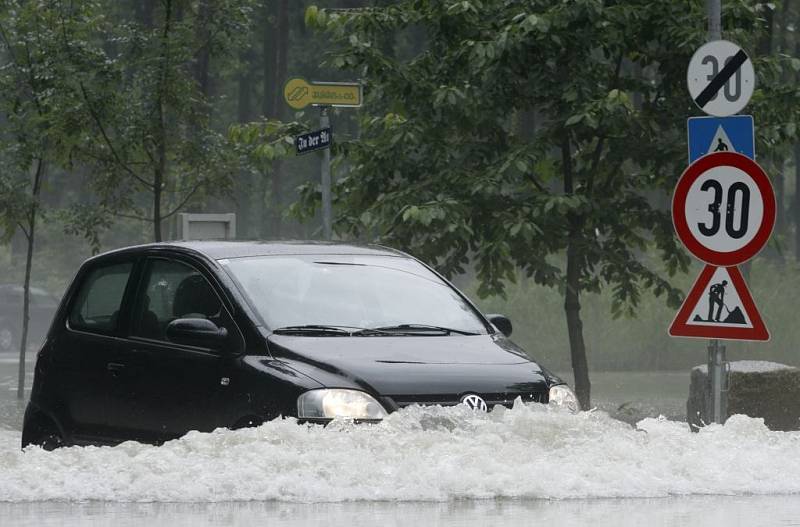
429 466
399 263
744 511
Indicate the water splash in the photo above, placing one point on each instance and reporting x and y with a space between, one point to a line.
431 454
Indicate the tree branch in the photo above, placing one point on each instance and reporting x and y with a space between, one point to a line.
132 217
601 139
107 140
24 230
183 202
98 121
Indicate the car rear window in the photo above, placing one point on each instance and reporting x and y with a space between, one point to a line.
97 305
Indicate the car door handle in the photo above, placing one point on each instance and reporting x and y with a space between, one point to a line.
115 368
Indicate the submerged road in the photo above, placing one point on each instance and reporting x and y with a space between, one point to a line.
426 467
697 511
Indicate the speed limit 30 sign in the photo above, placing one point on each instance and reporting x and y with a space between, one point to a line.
723 208
720 78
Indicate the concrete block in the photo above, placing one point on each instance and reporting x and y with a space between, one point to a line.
757 388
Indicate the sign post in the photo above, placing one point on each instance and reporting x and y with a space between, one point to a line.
716 353
300 93
723 207
723 210
325 170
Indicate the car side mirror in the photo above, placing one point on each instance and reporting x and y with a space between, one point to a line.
501 322
196 332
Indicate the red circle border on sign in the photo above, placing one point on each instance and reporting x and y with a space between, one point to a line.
690 175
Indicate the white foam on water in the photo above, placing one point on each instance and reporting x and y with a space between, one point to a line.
752 366
432 454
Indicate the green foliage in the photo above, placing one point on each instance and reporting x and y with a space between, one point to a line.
149 138
642 343
522 125
260 143
38 105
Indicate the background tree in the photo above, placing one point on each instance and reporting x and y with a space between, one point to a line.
444 169
147 103
39 111
468 104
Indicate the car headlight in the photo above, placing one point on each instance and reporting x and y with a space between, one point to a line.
330 403
562 396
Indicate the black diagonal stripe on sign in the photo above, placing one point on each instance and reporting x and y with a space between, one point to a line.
721 78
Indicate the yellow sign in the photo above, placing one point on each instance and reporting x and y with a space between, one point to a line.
299 93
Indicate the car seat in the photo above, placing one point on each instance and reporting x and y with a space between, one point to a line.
194 298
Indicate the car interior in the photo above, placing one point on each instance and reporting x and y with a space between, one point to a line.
192 297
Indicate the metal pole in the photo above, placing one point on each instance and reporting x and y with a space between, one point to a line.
716 350
324 122
714 8
717 375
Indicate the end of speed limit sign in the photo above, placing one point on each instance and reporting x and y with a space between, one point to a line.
723 208
720 78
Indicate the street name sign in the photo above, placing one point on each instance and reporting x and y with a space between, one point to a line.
311 141
719 306
723 208
300 93
707 135
720 78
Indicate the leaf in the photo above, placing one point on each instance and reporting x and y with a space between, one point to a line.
575 119
311 15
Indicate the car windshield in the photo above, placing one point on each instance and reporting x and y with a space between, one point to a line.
355 291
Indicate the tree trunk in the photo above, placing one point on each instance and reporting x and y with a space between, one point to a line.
572 308
144 12
269 79
797 177
797 201
246 190
572 303
280 67
781 220
204 54
160 170
157 189
281 55
26 288
780 193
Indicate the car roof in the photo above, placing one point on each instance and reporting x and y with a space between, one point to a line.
218 250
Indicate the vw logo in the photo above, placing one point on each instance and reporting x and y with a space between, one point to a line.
474 402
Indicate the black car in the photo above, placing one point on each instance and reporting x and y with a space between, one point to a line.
41 310
152 341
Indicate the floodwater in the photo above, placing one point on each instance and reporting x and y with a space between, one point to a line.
427 466
747 511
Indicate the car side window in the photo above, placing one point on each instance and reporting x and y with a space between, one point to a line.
173 290
99 299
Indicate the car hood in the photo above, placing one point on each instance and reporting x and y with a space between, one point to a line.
414 365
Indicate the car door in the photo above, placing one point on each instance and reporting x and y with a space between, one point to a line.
173 387
82 370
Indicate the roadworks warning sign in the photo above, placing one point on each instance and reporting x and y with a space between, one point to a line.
719 306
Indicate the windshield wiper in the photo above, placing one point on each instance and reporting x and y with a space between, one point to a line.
327 330
355 331
421 328
313 329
